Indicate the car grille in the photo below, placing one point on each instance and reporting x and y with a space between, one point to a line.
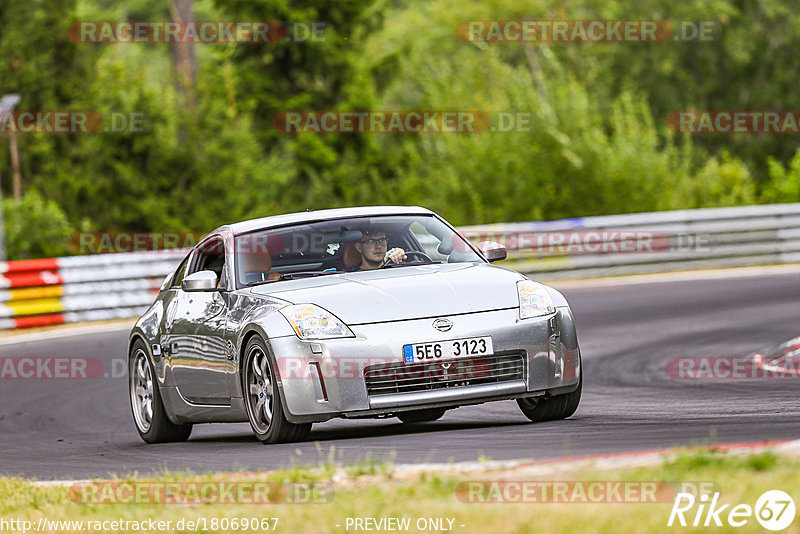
386 379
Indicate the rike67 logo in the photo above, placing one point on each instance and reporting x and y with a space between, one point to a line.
774 510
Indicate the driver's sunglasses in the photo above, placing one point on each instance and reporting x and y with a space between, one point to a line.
374 242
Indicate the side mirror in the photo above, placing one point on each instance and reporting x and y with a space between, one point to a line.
492 251
200 281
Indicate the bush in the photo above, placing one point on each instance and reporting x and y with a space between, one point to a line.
582 155
35 227
784 183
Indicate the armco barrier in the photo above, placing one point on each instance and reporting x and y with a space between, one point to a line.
680 240
109 286
80 288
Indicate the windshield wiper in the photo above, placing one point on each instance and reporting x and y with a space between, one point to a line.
292 276
304 274
408 264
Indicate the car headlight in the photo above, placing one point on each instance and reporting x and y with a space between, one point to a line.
534 300
312 322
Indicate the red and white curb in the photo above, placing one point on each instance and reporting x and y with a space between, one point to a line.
783 359
600 462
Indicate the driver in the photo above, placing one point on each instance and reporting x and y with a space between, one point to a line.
372 249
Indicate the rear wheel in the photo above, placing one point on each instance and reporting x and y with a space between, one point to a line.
550 409
421 416
263 401
149 415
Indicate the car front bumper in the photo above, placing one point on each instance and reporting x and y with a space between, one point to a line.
320 380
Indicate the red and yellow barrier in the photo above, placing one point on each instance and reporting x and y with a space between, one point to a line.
80 288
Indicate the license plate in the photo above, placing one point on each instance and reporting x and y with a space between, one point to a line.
452 348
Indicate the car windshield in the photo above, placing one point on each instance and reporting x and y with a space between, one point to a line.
330 247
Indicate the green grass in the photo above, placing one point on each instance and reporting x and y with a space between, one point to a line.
374 489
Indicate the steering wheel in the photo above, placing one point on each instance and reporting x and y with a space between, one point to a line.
410 253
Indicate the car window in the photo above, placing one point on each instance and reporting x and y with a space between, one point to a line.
266 254
428 242
180 272
210 256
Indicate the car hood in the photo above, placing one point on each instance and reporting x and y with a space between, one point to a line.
402 293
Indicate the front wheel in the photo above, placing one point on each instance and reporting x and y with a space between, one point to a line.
263 401
421 416
149 415
550 409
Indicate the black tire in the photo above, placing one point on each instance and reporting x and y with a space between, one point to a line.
152 423
539 409
421 416
267 419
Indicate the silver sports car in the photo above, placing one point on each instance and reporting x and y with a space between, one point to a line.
286 321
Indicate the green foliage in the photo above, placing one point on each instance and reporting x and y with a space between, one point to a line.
784 183
762 462
749 65
39 60
35 227
598 140
722 181
611 157
693 461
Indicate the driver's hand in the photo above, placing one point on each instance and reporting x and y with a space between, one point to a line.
396 254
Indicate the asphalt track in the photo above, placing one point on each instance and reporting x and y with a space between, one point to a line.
65 429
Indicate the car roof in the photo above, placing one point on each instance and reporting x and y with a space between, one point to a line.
318 215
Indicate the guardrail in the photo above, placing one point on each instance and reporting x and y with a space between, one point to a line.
649 242
122 285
